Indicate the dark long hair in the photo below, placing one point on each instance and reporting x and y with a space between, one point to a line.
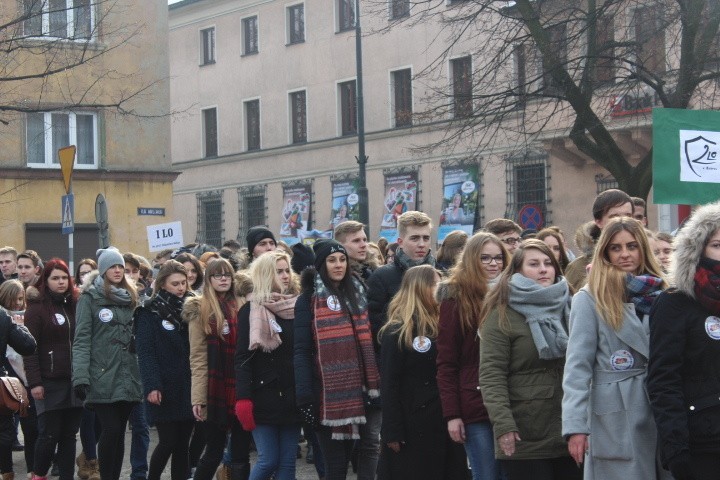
345 289
42 285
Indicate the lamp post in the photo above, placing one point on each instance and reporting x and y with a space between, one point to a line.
361 157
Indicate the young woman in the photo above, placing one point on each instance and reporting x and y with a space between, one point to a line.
265 387
461 299
331 329
194 270
664 249
85 266
50 317
164 357
416 443
522 352
450 249
553 240
212 324
604 384
684 370
105 368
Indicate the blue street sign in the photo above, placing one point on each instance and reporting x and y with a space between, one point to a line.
68 214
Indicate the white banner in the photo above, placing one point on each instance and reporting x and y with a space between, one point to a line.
165 235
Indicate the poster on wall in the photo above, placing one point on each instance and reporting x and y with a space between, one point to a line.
344 202
460 200
400 197
296 213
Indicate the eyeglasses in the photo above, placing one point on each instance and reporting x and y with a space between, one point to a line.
220 276
511 240
488 259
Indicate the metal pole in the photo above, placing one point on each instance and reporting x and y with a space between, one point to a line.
361 158
71 245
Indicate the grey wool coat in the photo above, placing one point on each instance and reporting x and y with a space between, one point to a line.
605 395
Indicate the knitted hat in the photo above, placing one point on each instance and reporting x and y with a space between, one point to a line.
255 235
107 257
302 258
325 247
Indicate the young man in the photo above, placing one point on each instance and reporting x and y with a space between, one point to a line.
259 240
640 210
351 235
507 231
8 263
607 205
28 267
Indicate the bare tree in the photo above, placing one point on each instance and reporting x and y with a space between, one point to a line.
554 70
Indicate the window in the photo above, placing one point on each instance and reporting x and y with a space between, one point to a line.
207 37
251 209
604 182
210 132
298 117
527 185
605 51
348 107
650 39
346 14
71 19
402 97
47 132
296 23
558 44
252 124
210 218
250 35
399 8
462 87
520 73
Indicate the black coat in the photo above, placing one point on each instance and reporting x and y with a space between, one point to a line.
383 284
684 375
266 378
163 349
17 336
307 376
412 415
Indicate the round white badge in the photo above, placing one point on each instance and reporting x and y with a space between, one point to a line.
622 360
168 325
712 327
333 303
105 315
275 326
60 319
226 329
421 344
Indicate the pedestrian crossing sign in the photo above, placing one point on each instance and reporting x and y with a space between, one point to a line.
68 214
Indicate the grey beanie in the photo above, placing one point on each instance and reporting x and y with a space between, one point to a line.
107 257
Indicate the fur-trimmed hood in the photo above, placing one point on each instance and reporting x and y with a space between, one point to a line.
584 238
32 294
191 309
243 284
689 245
444 291
88 284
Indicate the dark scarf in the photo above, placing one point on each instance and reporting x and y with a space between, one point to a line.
642 290
404 261
707 284
168 307
221 368
345 359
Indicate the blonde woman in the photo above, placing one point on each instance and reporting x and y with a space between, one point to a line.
416 443
607 356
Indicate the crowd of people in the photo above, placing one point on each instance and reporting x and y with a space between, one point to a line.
506 356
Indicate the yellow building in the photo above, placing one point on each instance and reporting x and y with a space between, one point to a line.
96 76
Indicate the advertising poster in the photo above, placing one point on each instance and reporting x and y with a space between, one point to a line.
400 197
296 213
460 200
344 202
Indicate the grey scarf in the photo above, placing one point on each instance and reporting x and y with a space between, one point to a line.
118 295
402 259
546 311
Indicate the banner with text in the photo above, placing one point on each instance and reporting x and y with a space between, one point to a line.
460 200
344 202
400 197
296 213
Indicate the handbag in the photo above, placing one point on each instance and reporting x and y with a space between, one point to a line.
13 397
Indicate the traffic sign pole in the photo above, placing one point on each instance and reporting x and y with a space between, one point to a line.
67 161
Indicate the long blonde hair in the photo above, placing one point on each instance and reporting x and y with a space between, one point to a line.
413 310
209 303
262 274
606 282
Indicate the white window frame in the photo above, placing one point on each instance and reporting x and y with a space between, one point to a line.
203 130
288 26
69 12
50 158
338 27
451 82
390 10
391 85
245 101
290 118
201 32
242 33
338 104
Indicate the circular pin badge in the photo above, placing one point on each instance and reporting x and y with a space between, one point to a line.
105 315
275 326
712 327
226 329
622 360
421 344
333 303
168 325
60 319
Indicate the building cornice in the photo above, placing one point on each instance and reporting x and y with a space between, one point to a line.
90 175
189 12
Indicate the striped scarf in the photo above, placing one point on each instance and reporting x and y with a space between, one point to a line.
221 367
345 359
707 284
642 290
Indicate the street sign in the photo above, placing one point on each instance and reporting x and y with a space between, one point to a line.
165 235
68 214
530 216
67 159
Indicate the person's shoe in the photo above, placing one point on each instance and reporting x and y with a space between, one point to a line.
17 446
93 470
8 476
223 472
80 460
310 456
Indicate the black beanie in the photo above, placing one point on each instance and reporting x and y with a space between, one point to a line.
255 235
302 258
325 247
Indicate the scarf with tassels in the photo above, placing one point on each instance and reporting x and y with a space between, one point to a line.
345 359
707 284
264 329
642 290
221 364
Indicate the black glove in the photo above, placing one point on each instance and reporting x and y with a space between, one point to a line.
681 467
81 391
307 415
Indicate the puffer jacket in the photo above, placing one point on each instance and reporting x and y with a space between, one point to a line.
104 348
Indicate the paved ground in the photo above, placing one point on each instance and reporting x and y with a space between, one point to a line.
305 471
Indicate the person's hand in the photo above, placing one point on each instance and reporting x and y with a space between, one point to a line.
456 429
681 467
81 391
307 415
155 397
507 442
394 446
199 412
18 319
244 414
38 393
577 446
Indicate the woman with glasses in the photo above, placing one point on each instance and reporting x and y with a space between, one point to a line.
461 298
85 266
212 326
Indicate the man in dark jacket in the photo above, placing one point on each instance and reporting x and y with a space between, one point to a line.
351 235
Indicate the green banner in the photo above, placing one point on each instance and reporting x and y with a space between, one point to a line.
686 156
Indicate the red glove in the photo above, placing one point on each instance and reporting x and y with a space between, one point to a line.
244 414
